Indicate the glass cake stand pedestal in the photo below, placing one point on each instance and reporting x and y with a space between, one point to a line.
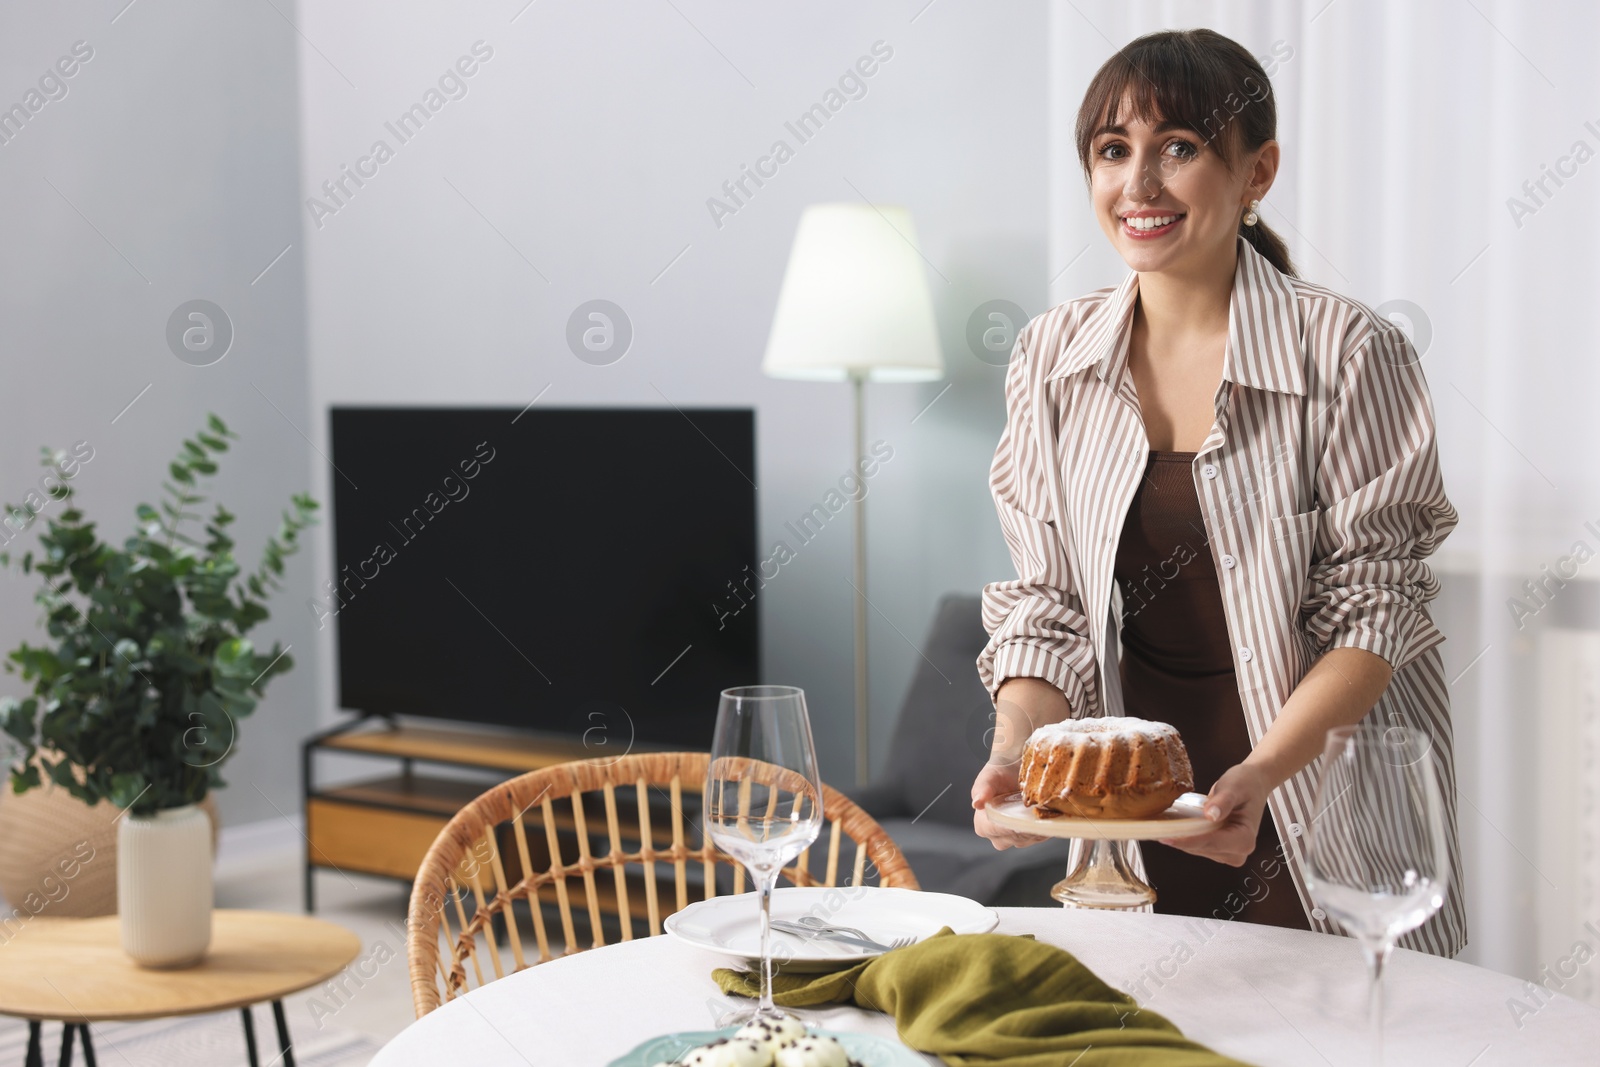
1101 876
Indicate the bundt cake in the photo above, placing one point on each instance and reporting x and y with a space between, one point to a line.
1104 768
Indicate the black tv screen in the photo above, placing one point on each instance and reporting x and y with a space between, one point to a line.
566 571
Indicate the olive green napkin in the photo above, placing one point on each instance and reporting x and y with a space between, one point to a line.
998 1000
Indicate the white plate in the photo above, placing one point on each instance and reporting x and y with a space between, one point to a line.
1185 818
731 925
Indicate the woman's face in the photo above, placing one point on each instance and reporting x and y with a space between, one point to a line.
1163 172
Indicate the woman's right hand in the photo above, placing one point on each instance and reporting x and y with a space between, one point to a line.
1021 704
994 781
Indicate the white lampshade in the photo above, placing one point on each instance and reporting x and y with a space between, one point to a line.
854 300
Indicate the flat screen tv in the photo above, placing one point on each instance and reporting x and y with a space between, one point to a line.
566 571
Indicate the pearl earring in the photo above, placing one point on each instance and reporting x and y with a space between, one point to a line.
1250 217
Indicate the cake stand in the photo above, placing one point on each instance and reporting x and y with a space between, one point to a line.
1101 876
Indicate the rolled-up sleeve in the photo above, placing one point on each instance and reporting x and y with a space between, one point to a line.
1035 623
1384 509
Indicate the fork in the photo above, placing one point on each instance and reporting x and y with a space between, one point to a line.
817 928
817 924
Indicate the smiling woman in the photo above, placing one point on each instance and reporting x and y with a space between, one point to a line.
1265 447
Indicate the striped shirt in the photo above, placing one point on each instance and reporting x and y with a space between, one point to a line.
1322 498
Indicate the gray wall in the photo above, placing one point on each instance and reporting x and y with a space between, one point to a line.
577 166
168 172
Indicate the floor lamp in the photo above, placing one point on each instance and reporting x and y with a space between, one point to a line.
855 307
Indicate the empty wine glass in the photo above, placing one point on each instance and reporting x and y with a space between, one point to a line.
763 798
1377 859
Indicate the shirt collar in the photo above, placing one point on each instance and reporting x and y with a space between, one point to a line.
1263 329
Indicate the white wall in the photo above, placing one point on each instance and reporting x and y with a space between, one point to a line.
167 172
578 165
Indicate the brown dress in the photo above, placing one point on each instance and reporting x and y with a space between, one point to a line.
1177 667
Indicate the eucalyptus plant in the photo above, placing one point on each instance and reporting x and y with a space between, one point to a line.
137 695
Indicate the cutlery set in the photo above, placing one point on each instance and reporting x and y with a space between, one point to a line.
810 927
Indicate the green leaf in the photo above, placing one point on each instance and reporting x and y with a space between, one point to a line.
127 789
235 656
211 732
235 697
180 473
19 719
274 666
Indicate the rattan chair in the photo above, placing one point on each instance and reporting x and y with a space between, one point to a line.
485 859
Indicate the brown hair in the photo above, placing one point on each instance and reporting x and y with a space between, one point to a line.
1201 80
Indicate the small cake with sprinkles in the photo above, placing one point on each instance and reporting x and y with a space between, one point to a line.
729 1052
813 1050
768 1043
774 1033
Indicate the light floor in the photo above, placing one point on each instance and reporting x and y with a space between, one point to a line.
374 996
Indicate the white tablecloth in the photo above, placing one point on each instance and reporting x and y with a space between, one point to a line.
1265 995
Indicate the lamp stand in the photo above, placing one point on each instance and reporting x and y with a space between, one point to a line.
858 390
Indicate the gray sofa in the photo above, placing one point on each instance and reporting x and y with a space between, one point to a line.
923 798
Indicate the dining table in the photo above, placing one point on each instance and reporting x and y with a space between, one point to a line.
1265 995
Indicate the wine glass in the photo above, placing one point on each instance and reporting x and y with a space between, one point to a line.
1376 857
763 799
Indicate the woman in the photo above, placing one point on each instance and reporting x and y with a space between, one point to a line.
1230 473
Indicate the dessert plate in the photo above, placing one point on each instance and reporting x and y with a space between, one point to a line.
731 925
865 1049
1186 818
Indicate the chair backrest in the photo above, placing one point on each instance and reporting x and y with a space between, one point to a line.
486 860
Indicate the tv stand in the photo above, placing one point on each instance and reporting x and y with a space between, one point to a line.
383 826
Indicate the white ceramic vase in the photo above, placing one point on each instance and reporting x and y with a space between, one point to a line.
164 892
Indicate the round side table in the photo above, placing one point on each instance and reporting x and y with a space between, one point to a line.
74 971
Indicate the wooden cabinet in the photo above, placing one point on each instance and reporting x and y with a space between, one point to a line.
383 826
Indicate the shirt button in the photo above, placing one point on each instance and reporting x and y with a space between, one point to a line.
1294 829
1245 654
1229 562
1209 470
1318 914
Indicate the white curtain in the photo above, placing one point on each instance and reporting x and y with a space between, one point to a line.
1441 163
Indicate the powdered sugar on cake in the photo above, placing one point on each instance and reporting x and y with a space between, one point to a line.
1111 724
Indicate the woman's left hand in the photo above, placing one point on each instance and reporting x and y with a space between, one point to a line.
1235 804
